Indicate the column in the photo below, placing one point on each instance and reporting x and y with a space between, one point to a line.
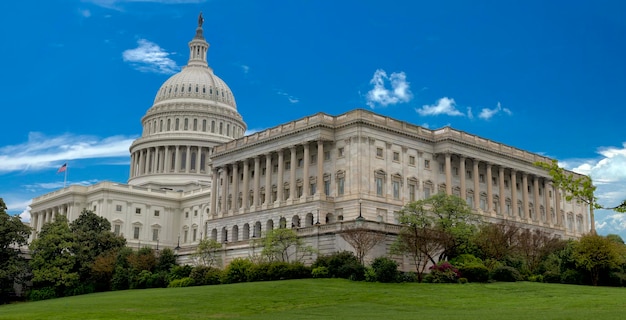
501 195
167 159
257 180
536 198
462 176
154 160
525 194
177 159
268 178
246 185
235 198
224 178
547 186
557 207
305 171
214 183
489 189
514 193
140 166
198 168
188 159
320 168
292 174
132 165
448 174
476 184
279 178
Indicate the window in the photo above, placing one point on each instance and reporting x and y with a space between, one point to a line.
427 164
379 152
396 156
275 168
313 158
327 187
186 124
288 165
506 184
313 187
468 174
300 162
340 185
455 170
138 210
195 233
195 124
481 178
494 181
340 152
118 207
442 168
195 213
326 155
427 189
470 199
155 234
396 189
116 229
185 236
157 213
379 186
483 203
187 214
177 124
411 160
411 192
263 171
136 233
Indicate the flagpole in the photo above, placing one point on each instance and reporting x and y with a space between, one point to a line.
65 178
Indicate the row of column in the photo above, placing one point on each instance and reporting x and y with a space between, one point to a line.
513 174
175 159
38 219
221 178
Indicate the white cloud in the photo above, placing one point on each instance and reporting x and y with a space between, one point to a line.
444 105
608 172
85 13
116 4
245 68
41 152
149 57
252 131
487 113
381 96
291 98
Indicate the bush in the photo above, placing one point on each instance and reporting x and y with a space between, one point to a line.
370 274
213 276
385 269
506 274
474 272
237 271
179 283
42 294
443 272
298 270
342 264
81 288
320 272
179 272
571 276
463 280
535 278
407 277
551 277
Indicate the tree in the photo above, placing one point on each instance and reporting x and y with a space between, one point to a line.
455 222
207 253
534 246
596 254
497 240
284 245
13 266
93 238
417 238
53 261
578 187
362 240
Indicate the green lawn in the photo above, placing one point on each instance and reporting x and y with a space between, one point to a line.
337 299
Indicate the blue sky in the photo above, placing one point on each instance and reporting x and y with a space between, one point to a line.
545 76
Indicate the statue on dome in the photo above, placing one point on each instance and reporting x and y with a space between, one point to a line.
200 20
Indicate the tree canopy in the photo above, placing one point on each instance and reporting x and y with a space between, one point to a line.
13 234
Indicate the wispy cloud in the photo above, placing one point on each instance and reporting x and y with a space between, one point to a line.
444 105
85 13
381 96
252 131
150 57
245 68
291 98
608 172
117 4
42 152
487 113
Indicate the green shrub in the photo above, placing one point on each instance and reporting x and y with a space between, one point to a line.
463 280
466 259
298 270
474 272
81 288
571 276
259 272
551 277
42 294
179 272
237 271
535 278
179 283
342 264
443 272
385 269
213 276
121 278
506 274
320 272
370 274
407 277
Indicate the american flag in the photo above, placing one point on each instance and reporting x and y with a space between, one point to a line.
62 168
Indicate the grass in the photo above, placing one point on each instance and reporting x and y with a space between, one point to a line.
336 299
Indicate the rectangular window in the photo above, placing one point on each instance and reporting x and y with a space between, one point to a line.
155 234
186 214
442 168
195 213
327 187
116 229
494 181
427 164
481 178
287 165
340 186
396 189
411 192
263 171
506 184
379 186
411 160
326 155
186 235
379 152
300 162
275 169
118 208
468 174
455 170
340 152
313 158
195 233
426 192
136 233
313 187
157 213
138 210
299 191
396 156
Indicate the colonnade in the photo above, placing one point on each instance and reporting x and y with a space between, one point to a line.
241 187
38 219
169 159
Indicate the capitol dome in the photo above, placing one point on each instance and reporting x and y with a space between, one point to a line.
193 111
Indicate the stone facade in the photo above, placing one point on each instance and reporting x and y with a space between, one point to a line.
194 175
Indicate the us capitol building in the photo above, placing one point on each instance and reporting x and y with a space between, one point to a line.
194 175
